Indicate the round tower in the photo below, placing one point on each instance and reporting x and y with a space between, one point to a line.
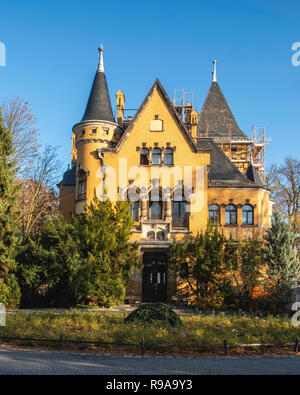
96 132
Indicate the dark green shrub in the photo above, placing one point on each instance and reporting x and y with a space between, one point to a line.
152 312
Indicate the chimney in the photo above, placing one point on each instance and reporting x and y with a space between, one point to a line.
120 107
194 123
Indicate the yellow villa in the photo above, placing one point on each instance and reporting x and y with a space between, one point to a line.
179 168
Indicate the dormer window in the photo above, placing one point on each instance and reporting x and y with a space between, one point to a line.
94 131
82 132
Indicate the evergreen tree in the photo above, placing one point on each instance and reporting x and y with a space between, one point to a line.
106 256
47 264
249 269
283 264
201 262
9 289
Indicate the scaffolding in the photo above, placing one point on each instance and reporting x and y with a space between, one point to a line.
183 103
258 152
241 151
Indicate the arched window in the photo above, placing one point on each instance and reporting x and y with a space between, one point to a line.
160 236
230 214
169 156
134 210
214 213
144 157
156 156
247 215
179 211
133 199
82 185
155 207
151 235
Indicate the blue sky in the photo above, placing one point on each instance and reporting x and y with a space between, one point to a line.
52 58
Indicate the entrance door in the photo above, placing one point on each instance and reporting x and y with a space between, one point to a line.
154 286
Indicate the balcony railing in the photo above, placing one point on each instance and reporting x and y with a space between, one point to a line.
180 222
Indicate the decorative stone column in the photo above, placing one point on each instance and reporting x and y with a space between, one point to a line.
239 214
222 214
168 207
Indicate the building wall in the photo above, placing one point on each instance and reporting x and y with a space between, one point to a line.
67 201
257 198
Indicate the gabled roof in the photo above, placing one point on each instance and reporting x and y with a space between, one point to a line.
99 106
216 117
222 171
157 85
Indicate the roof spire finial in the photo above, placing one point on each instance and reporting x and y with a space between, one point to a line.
215 71
101 64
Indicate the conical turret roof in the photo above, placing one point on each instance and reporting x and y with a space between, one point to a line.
99 106
216 119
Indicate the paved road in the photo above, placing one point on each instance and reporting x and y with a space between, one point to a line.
35 362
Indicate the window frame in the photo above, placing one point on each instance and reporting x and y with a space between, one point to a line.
230 213
170 154
182 219
216 213
161 203
82 185
247 212
144 155
156 155
134 210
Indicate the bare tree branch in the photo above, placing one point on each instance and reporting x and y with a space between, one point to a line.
39 198
17 116
284 182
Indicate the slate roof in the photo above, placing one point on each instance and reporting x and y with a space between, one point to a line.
253 175
222 171
99 106
69 177
217 114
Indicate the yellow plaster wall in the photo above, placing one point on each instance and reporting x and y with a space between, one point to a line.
258 198
183 155
67 202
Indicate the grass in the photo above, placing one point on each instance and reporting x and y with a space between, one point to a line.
196 329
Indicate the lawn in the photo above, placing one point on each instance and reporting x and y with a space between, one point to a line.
196 329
